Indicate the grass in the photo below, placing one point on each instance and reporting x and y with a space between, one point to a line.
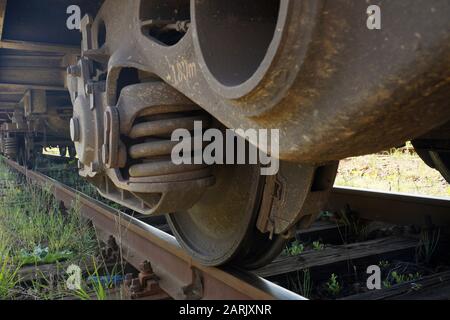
354 228
39 231
35 229
429 240
9 277
396 278
302 284
294 249
97 287
333 286
318 246
396 170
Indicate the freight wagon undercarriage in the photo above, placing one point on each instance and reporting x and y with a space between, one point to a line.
310 69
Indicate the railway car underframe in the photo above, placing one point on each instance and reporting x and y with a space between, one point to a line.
308 68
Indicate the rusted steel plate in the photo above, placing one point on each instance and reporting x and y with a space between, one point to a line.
312 69
176 270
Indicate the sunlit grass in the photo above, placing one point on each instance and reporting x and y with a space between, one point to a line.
397 170
34 230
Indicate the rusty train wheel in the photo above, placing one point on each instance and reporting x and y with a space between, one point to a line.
220 228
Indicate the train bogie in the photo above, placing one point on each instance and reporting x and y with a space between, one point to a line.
312 71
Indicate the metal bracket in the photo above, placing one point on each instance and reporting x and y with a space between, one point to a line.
194 291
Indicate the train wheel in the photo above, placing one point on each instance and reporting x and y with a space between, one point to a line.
221 227
214 210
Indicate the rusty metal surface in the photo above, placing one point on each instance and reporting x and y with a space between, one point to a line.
309 68
296 195
134 167
396 208
176 271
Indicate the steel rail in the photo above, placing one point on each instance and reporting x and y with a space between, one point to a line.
179 275
392 207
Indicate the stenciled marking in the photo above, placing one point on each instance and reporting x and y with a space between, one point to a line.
181 72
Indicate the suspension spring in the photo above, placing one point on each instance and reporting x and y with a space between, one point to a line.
152 146
10 147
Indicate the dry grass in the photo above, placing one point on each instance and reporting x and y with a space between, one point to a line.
397 170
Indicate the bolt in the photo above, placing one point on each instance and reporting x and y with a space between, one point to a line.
74 70
135 285
146 267
75 130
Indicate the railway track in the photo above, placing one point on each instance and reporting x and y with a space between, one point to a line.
180 276
166 271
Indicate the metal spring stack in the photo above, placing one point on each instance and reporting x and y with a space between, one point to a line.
10 147
152 146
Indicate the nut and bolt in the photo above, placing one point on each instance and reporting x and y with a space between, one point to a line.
146 267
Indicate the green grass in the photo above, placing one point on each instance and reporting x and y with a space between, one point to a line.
396 278
294 249
333 286
301 284
98 287
318 246
38 230
9 277
34 230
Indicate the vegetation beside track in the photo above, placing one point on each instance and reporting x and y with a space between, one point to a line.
396 170
36 230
